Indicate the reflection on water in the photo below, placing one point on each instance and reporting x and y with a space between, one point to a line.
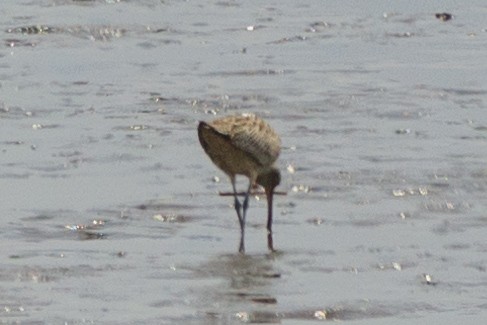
246 292
247 282
110 209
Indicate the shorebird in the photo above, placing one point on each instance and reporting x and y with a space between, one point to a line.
244 145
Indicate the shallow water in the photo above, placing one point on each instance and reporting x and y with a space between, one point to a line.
110 208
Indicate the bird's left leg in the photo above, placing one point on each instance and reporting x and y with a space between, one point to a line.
246 201
241 219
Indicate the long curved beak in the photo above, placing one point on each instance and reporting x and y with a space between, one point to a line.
270 195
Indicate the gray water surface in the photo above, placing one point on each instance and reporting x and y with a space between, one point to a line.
110 208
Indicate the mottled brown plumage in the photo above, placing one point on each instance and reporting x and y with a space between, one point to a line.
244 145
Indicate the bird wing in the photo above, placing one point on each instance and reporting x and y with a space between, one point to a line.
206 132
247 133
262 144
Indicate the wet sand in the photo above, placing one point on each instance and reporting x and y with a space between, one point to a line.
110 208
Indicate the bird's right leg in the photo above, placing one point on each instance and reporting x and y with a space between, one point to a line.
246 202
241 220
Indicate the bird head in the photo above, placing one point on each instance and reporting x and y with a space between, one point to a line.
269 179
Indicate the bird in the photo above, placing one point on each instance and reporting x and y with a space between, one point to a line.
244 145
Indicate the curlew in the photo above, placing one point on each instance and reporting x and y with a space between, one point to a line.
244 145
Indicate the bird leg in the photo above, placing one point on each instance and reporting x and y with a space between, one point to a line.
270 244
246 202
241 220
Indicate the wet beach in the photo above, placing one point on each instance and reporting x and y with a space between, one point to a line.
110 209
